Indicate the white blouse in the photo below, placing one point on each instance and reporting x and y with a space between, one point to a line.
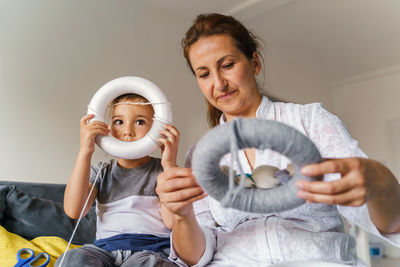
311 232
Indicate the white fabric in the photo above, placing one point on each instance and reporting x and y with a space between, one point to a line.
134 214
312 232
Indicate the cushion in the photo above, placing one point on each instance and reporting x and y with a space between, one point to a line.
11 243
30 217
3 193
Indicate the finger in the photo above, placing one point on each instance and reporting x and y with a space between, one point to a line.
98 123
351 197
97 127
181 195
186 202
95 132
328 166
176 172
172 129
164 141
168 135
180 183
84 119
165 144
322 187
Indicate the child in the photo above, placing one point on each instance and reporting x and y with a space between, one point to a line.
130 228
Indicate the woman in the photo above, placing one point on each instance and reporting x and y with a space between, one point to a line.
224 57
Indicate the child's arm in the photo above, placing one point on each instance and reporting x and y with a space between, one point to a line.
78 186
169 154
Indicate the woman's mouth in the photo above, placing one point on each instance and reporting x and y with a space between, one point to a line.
226 95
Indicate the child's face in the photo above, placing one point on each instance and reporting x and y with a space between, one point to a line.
131 122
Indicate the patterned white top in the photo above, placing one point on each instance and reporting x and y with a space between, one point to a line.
311 232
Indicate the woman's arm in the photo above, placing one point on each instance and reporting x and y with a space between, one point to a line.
363 181
177 189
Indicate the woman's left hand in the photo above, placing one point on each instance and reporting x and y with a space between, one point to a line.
361 181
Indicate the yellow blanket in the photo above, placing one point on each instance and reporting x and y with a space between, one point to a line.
11 243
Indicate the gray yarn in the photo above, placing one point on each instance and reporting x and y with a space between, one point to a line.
261 134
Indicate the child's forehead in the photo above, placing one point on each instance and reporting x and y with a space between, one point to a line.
130 108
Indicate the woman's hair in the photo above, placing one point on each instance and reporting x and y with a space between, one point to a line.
214 24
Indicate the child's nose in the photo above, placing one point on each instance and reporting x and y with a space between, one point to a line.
129 131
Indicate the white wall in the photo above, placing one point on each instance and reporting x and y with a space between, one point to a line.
369 106
289 77
290 73
56 54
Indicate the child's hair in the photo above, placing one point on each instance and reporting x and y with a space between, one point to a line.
129 98
126 98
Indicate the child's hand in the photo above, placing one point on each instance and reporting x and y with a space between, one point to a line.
89 131
169 150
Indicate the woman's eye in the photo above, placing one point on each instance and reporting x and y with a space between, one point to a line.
140 122
227 66
203 75
118 122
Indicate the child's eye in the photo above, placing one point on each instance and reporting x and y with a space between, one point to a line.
140 122
118 122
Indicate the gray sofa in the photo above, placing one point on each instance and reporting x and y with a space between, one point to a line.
36 209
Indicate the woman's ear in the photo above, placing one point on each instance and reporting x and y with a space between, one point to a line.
256 63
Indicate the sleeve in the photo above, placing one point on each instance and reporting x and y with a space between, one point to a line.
95 174
207 224
333 140
209 228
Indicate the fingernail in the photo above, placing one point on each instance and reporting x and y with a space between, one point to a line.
306 170
301 194
299 184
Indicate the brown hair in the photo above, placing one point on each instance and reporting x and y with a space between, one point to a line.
214 24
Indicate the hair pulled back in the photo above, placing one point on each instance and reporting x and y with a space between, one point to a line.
214 24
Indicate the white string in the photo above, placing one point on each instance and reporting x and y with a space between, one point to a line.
140 103
83 210
234 190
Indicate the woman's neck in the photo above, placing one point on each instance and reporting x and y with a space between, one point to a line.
133 163
251 112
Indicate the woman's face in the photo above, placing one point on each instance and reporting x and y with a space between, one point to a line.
226 76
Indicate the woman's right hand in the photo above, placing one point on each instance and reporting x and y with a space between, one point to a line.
89 131
177 189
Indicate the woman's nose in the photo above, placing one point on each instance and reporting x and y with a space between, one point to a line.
220 83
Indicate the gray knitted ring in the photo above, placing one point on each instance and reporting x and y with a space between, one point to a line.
260 134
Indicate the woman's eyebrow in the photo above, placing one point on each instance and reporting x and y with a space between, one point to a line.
223 58
219 61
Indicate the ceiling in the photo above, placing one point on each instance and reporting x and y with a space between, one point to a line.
338 39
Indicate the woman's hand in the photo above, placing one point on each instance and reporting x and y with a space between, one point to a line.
89 131
363 181
358 184
169 150
177 190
